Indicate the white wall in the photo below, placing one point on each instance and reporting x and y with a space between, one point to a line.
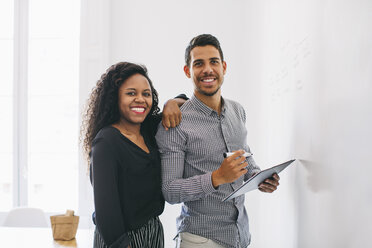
156 34
301 69
316 105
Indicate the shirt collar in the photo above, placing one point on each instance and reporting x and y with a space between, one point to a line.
204 108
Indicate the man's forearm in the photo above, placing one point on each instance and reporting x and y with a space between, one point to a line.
179 190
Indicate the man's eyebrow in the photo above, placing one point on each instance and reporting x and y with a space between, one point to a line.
198 60
201 60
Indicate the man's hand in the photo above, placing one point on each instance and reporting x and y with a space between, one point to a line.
270 184
230 170
172 113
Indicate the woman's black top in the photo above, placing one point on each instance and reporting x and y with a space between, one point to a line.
126 182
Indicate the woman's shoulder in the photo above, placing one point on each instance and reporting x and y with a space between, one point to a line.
156 119
107 134
150 125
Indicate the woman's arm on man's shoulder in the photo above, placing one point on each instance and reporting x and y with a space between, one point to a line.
171 116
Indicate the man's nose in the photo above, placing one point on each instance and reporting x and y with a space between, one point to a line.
207 69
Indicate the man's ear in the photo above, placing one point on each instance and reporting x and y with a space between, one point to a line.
224 66
186 69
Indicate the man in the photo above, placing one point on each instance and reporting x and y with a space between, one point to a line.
194 171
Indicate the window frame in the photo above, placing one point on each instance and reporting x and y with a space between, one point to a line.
20 101
20 106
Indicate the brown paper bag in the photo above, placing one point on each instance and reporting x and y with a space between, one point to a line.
64 226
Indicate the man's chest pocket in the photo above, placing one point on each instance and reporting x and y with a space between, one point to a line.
205 146
235 134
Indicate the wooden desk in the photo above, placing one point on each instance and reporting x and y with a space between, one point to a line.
17 237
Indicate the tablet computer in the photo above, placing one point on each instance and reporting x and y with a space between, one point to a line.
253 182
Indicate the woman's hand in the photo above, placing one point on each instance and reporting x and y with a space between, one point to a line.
171 113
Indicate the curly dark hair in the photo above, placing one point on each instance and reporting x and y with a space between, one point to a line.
202 40
102 107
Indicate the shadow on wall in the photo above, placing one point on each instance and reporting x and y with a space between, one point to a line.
316 178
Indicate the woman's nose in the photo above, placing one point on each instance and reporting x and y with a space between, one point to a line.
139 99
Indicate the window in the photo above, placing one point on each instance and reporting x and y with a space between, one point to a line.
6 103
45 110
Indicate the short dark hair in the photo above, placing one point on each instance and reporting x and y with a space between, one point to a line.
202 40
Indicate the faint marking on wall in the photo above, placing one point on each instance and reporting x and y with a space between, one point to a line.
293 55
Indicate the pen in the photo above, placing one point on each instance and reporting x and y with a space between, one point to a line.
228 154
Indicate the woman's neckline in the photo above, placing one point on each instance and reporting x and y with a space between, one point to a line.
126 138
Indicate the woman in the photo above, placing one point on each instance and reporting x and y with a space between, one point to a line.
120 125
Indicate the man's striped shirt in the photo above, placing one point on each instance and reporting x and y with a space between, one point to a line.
189 154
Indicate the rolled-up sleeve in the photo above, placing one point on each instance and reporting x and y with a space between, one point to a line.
176 189
252 168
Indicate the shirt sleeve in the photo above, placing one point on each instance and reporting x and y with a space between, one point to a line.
252 167
176 189
109 218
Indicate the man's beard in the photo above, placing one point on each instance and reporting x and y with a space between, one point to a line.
207 93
